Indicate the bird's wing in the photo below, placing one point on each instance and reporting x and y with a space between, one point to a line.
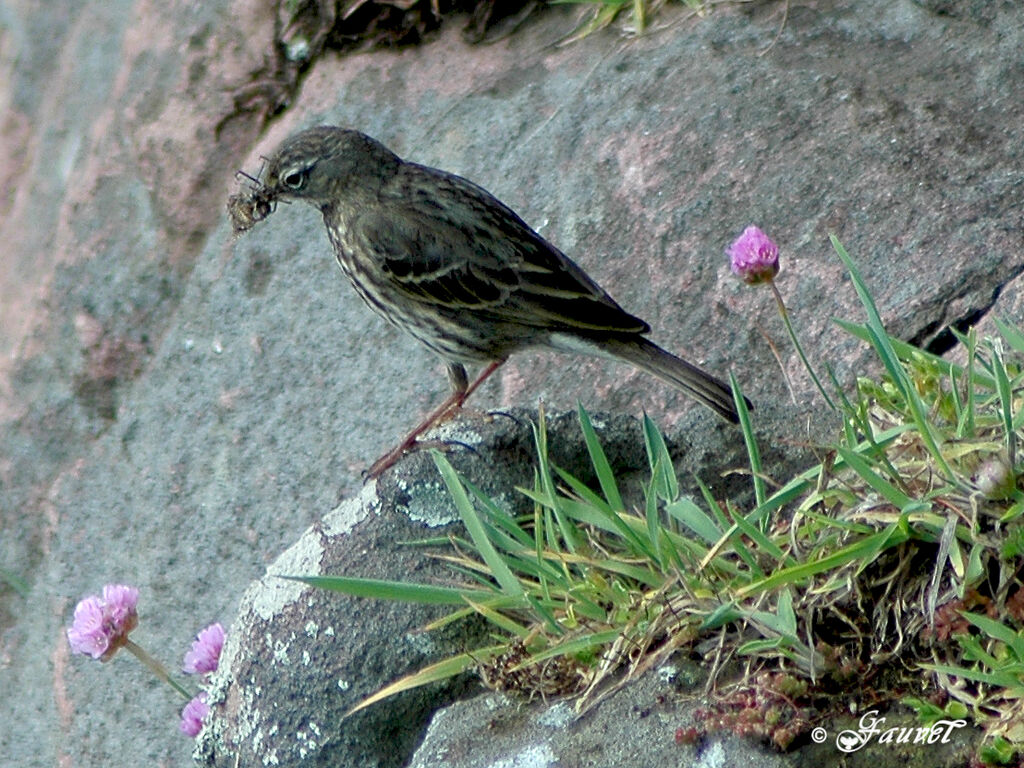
442 240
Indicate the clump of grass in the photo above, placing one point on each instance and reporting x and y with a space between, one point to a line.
899 552
305 30
637 16
638 13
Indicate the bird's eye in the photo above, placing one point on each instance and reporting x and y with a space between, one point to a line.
294 179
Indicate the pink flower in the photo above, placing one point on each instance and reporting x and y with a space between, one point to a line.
120 601
205 653
101 625
193 714
754 256
86 634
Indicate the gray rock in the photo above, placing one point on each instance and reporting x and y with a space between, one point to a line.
298 658
175 408
636 726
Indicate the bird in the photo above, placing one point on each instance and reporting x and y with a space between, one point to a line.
445 260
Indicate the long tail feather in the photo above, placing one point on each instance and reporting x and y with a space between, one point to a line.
675 371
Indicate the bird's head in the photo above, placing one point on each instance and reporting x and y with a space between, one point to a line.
326 165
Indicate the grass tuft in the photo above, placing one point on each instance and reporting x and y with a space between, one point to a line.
899 553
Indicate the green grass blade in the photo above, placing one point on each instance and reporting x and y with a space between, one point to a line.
883 487
380 589
720 616
569 534
499 516
758 647
1012 334
585 493
783 621
998 679
746 526
999 631
753 452
663 471
903 350
442 670
503 575
883 348
594 511
541 609
1005 392
731 532
972 380
599 460
500 620
686 511
653 519
571 647
864 551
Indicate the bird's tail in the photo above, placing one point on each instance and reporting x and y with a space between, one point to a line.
649 357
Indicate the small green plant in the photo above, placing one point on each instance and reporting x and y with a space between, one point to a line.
902 545
639 14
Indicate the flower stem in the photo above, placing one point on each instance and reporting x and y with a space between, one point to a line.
796 343
156 667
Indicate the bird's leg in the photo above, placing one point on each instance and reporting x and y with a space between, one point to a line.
491 368
458 378
461 389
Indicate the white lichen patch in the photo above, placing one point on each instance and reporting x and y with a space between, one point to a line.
429 503
272 594
307 743
455 432
281 650
495 701
343 518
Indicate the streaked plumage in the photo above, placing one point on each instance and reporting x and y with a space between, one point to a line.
448 262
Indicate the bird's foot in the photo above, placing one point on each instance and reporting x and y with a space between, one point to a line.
439 415
442 413
417 440
388 459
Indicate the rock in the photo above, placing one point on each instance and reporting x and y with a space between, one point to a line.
635 726
298 658
176 407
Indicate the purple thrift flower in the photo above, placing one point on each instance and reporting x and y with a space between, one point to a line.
101 625
86 634
754 257
120 602
193 714
205 653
